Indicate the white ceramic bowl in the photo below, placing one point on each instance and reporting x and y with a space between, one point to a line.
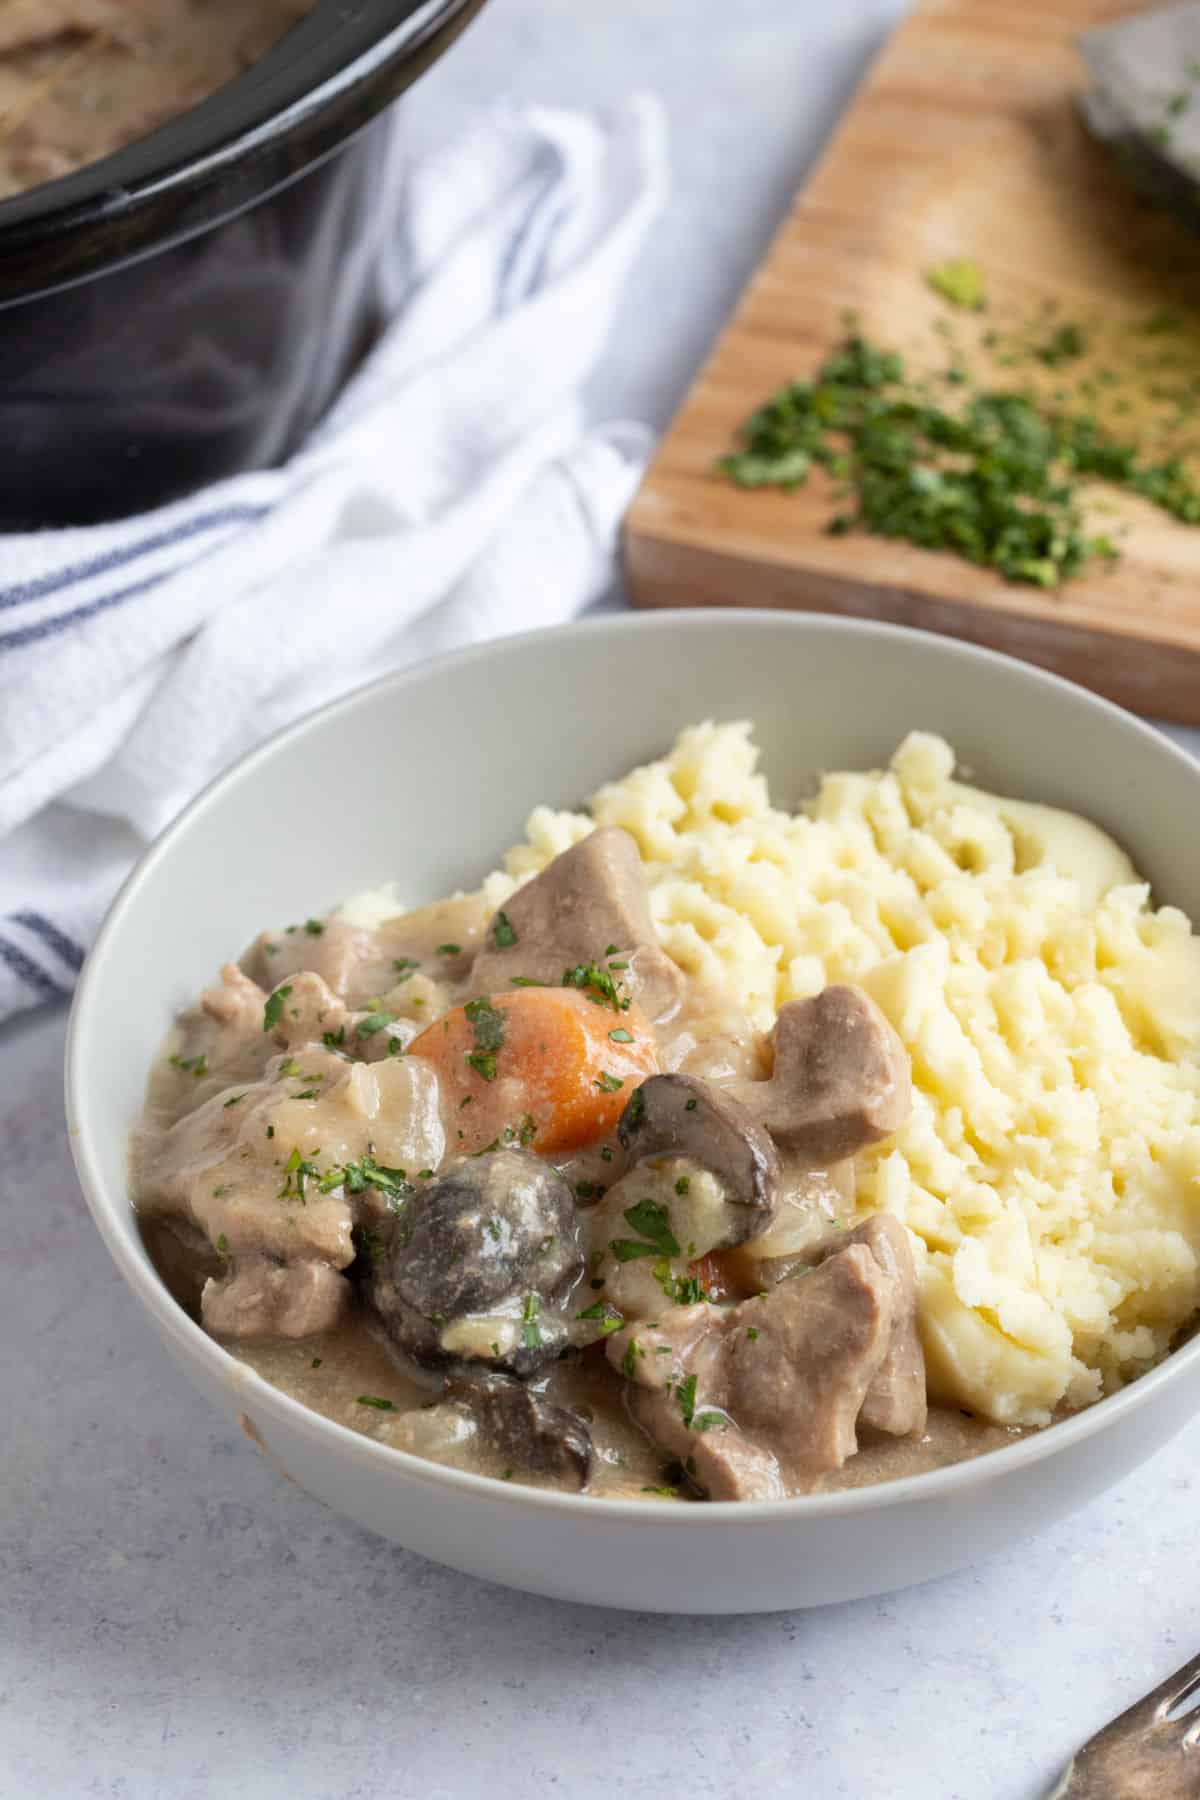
426 778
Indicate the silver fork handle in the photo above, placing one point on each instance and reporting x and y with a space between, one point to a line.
1144 1754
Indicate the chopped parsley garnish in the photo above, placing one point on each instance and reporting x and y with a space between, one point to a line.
653 1223
273 1010
424 1174
610 1084
685 1399
503 935
270 1131
682 1185
690 1105
527 1129
706 1420
606 1154
448 950
621 1036
356 1177
531 1331
606 1316
222 1245
375 1401
489 1026
316 1362
960 282
752 1333
297 1170
404 968
289 1066
684 1290
191 1065
618 965
591 976
313 927
233 1099
629 1361
333 1040
374 1021
635 1110
525 981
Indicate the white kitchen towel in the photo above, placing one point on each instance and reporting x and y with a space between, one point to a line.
455 493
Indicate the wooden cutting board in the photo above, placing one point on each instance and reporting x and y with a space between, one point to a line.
962 142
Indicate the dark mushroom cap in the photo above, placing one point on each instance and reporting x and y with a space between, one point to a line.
527 1430
842 1077
494 1234
680 1115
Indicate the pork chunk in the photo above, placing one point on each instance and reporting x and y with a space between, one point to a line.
588 899
270 1299
896 1400
841 1081
763 1398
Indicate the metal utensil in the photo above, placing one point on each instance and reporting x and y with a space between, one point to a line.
1145 1754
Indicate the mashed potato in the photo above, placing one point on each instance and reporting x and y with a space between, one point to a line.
1050 1173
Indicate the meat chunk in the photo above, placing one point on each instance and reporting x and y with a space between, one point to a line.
841 1080
303 1010
896 1401
28 24
680 1115
763 1398
587 906
480 1264
270 1299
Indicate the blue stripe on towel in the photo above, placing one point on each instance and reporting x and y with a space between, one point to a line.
47 628
125 554
58 941
29 972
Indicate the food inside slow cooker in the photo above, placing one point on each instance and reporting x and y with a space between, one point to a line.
708 1150
81 78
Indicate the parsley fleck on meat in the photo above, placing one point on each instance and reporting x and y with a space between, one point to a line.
273 1010
375 1401
374 1021
314 927
606 1316
685 1399
191 1065
448 950
503 935
656 1238
590 976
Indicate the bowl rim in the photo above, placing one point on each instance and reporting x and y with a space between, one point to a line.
314 88
114 1217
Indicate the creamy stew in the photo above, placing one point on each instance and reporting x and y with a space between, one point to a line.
81 78
516 1195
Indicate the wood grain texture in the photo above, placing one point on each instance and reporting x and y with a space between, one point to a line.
962 142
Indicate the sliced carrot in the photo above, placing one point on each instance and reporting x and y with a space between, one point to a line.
549 1068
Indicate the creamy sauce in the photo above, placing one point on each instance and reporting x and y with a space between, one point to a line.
352 1375
81 78
332 1374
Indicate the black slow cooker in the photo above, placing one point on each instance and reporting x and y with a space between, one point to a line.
188 307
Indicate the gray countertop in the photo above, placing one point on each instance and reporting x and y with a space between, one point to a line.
177 1621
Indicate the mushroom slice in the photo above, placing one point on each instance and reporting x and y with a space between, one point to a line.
585 907
479 1265
842 1078
526 1430
680 1115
